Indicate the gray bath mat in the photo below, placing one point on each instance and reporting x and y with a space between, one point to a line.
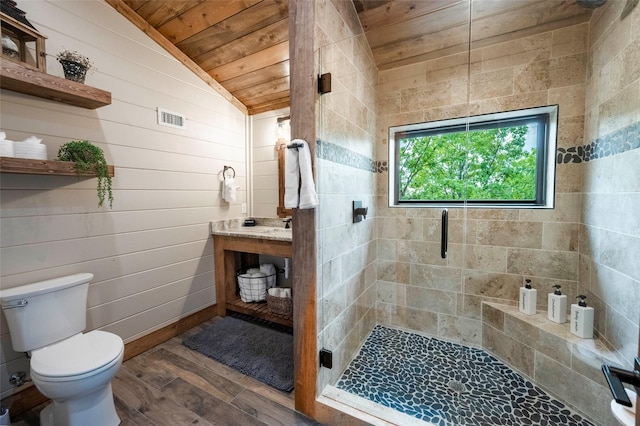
255 350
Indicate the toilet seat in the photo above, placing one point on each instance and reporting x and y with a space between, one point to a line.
78 356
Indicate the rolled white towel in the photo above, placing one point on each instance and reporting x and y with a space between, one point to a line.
270 271
267 268
274 291
284 292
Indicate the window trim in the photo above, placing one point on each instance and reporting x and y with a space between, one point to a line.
546 157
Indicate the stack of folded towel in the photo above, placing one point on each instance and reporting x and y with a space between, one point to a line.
31 147
6 146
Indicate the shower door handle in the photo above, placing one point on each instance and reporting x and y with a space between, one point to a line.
444 240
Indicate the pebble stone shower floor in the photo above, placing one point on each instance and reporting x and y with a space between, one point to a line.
448 384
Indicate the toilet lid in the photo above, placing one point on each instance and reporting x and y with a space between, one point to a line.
77 355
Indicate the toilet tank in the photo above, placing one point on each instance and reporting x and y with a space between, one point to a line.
46 312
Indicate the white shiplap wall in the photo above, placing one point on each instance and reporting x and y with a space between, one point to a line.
152 254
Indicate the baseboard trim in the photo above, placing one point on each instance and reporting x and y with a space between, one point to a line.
30 397
154 338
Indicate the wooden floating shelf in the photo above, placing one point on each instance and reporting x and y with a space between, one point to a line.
30 166
24 79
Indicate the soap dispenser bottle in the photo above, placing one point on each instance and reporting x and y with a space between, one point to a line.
557 306
582 318
527 302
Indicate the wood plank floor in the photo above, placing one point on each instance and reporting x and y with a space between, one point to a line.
172 385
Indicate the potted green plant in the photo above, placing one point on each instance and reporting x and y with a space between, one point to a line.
74 65
89 157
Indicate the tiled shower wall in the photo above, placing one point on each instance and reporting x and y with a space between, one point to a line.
345 129
609 271
417 289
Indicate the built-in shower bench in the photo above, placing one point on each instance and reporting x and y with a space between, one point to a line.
563 364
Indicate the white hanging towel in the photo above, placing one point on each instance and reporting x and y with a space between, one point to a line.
229 189
291 178
299 174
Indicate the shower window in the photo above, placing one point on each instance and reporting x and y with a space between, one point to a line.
495 160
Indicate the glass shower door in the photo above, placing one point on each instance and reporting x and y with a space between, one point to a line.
346 173
386 297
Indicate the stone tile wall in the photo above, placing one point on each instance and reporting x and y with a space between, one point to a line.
344 172
609 237
587 243
491 251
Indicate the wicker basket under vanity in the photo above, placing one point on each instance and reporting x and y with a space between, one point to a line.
279 305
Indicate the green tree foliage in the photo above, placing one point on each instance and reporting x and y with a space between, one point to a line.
484 164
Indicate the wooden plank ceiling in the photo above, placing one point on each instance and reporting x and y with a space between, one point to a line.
241 44
241 47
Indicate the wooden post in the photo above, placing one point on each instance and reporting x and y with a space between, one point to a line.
303 101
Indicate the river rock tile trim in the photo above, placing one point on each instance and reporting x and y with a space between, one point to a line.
617 142
448 384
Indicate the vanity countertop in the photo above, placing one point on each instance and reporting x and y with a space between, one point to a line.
265 229
262 232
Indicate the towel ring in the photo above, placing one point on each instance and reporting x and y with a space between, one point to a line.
228 168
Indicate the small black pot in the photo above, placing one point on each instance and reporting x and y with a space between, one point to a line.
73 71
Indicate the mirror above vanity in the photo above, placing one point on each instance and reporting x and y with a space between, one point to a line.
270 136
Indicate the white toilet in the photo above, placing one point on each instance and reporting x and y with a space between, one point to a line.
626 416
46 319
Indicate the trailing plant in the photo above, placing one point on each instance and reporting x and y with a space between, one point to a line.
89 157
73 56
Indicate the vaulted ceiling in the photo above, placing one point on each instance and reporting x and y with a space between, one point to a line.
241 47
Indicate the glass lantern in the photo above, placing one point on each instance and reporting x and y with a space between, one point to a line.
21 42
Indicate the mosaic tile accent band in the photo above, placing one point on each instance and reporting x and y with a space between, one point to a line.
448 384
337 154
617 142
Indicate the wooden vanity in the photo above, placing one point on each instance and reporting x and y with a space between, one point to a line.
238 248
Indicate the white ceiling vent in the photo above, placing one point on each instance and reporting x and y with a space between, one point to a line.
171 119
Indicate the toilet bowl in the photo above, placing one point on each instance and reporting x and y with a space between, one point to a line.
76 374
72 368
626 416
